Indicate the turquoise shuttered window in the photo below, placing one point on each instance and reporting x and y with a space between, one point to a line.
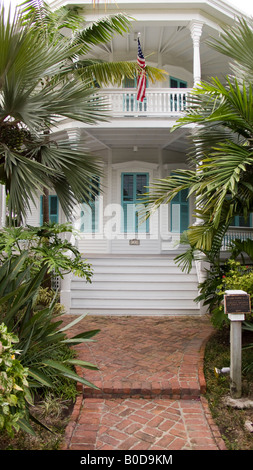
90 211
53 209
239 221
180 212
177 83
133 185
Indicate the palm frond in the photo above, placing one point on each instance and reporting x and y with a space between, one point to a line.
163 190
101 31
112 73
238 247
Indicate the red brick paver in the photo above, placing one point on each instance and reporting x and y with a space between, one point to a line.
150 381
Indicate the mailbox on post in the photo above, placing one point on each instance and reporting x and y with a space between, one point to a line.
237 302
236 305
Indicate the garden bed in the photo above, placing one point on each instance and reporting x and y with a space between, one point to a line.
234 423
54 413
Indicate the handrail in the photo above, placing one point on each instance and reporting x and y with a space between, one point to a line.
158 102
236 232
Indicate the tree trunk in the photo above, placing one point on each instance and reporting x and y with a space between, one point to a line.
45 197
45 220
45 206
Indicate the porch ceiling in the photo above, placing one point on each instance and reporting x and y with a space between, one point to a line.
165 44
141 137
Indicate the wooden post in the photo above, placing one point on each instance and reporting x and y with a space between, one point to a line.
236 358
236 305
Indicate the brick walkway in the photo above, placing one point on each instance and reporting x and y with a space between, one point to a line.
150 386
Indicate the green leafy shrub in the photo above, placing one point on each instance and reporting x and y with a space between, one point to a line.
209 289
236 276
46 245
14 387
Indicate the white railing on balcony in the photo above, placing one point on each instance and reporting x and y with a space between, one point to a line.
234 233
158 102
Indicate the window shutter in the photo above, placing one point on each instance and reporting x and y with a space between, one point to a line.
90 211
53 209
180 212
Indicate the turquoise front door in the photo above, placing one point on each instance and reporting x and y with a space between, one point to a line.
133 185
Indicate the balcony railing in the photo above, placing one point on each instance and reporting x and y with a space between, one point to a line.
158 102
234 233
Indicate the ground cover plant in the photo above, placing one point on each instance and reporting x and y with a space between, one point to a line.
235 424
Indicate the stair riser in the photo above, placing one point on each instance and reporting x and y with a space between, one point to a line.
132 303
138 312
144 277
134 286
151 295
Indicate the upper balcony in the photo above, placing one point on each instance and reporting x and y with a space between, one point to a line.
159 102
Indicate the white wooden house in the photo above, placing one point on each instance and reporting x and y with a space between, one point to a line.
134 269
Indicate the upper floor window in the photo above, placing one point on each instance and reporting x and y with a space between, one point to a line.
240 221
177 83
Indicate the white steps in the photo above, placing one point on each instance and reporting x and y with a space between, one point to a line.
136 285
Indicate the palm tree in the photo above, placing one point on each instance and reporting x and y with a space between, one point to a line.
221 157
42 81
34 94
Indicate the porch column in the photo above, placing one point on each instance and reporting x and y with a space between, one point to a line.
109 189
196 31
74 135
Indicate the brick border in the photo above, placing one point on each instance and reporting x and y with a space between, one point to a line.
202 381
73 422
213 427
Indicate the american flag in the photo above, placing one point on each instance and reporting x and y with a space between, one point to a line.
141 81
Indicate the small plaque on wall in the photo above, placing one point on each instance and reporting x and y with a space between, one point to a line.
134 241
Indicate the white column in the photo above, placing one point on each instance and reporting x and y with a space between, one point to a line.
3 206
196 31
74 135
109 194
